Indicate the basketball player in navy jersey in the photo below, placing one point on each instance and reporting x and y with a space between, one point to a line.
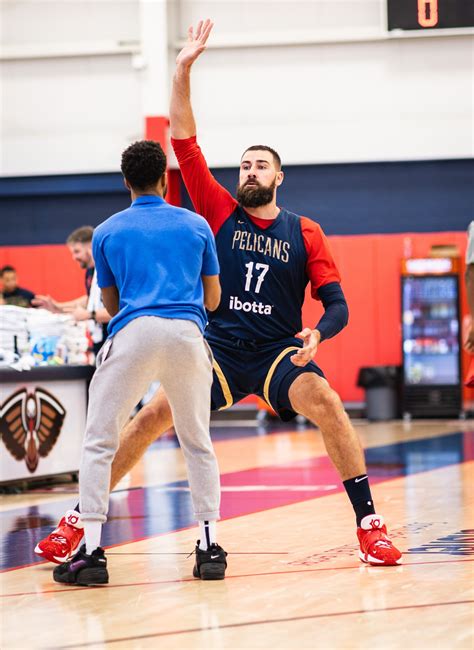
267 257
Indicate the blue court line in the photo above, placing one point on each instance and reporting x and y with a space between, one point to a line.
149 511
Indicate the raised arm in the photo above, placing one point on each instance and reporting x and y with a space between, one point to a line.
181 113
209 198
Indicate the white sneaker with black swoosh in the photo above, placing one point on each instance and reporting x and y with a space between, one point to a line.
210 564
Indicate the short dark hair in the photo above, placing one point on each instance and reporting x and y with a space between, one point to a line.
264 147
82 235
143 164
7 269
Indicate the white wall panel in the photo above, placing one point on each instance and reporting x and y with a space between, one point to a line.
70 115
259 16
67 114
53 21
387 100
269 76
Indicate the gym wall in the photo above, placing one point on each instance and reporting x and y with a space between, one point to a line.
374 214
373 129
321 81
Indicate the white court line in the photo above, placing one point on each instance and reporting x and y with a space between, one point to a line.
258 488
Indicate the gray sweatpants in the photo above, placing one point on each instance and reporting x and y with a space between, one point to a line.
149 348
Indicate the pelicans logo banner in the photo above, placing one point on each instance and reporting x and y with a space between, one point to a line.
30 424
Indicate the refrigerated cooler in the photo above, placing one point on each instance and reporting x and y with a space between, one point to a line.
431 343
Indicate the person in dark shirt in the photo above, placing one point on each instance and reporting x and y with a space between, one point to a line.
11 293
268 255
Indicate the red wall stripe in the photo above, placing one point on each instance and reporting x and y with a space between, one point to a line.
46 269
156 128
370 269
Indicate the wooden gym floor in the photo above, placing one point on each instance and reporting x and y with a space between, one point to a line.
294 579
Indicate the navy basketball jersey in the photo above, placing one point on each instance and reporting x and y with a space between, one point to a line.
263 279
265 267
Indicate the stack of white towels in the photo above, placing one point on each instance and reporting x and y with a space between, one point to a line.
21 329
13 323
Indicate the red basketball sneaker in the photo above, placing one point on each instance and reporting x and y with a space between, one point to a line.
64 541
375 546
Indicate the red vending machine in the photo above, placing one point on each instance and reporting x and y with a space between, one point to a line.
431 338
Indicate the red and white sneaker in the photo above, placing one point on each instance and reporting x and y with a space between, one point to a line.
64 541
375 546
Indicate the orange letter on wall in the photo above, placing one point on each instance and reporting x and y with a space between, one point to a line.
428 13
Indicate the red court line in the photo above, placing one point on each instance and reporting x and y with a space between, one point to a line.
231 577
292 619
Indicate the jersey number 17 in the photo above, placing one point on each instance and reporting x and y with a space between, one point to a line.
263 268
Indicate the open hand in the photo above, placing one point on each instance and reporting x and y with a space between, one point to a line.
311 340
45 302
196 43
78 313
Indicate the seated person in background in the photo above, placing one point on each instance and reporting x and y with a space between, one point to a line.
11 293
88 306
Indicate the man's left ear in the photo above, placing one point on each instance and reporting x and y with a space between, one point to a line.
279 178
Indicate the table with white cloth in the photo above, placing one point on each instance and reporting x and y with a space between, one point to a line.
42 421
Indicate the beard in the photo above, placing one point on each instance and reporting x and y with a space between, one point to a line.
255 196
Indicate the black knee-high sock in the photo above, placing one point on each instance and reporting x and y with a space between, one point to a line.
358 491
